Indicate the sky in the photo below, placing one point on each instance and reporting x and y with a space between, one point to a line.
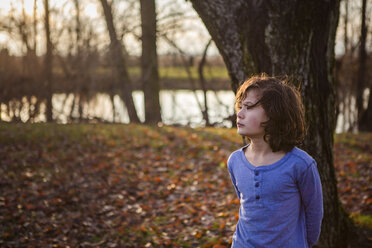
6 5
192 40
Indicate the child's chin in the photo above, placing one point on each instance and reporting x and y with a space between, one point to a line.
241 132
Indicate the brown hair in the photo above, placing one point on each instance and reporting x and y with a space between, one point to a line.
283 106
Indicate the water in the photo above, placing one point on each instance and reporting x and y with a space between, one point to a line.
177 107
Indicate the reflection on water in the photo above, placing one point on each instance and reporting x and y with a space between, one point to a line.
177 107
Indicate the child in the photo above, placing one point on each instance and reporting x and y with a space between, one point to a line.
278 184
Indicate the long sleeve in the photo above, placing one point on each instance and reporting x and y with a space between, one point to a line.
233 179
312 198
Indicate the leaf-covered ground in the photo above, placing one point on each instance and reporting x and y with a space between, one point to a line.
353 163
137 186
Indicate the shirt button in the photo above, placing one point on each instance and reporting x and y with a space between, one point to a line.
256 173
257 197
257 184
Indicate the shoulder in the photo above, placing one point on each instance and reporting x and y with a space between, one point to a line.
234 157
302 162
302 157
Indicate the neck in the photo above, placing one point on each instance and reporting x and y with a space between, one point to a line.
259 147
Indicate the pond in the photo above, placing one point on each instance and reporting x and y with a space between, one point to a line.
177 107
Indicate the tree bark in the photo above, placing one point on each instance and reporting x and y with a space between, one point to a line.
346 21
203 83
48 65
149 63
293 38
77 62
120 63
34 24
362 68
366 119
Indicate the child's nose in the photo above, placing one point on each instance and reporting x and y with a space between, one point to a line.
240 114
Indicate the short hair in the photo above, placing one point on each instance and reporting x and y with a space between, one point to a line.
282 103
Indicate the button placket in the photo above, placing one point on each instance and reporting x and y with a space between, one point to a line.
257 189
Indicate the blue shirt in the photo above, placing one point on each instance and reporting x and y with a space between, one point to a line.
281 204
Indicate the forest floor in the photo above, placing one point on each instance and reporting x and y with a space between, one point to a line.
107 185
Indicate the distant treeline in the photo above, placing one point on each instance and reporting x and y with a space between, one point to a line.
23 76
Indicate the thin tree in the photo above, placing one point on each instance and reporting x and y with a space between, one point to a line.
346 21
79 67
117 56
48 65
296 38
149 63
203 83
361 84
34 23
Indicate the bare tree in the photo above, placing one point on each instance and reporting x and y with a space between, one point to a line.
186 63
34 23
149 63
48 77
203 83
120 63
352 76
346 20
361 83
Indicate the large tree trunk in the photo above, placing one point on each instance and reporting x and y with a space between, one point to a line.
48 65
120 63
149 63
295 38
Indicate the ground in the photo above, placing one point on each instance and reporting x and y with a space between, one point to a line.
132 185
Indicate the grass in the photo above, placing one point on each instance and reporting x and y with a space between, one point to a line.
173 72
362 220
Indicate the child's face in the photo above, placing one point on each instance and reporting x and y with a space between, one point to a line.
249 119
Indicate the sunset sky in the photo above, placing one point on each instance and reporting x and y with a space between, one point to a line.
192 39
90 8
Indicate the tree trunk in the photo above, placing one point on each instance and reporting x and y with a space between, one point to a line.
48 65
203 83
346 21
34 25
149 63
293 38
120 63
366 119
362 67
